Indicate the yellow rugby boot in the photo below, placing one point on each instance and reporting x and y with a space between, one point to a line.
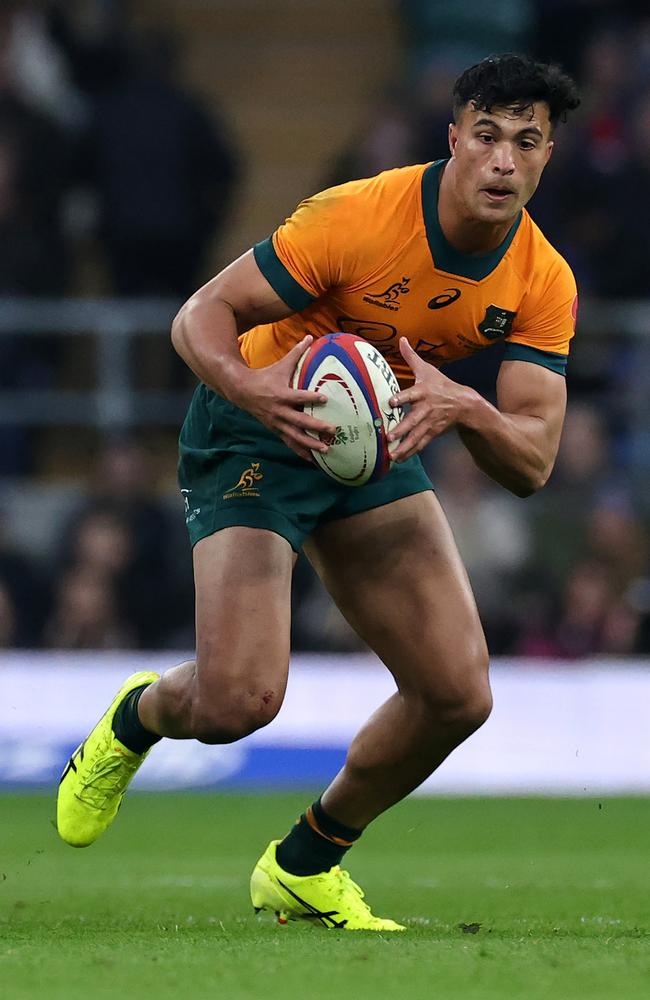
97 775
330 899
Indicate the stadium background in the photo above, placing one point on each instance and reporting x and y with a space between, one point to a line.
144 144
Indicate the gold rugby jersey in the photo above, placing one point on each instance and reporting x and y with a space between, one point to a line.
369 257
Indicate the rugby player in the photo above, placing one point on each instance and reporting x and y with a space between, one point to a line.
429 263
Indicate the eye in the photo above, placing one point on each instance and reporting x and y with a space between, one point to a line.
527 144
486 137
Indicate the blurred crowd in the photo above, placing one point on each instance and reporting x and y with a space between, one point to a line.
115 178
594 201
101 143
564 574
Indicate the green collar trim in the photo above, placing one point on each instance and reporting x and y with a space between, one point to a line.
445 257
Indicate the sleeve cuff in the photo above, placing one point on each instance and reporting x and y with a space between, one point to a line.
280 280
548 359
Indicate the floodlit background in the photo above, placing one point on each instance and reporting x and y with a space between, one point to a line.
146 143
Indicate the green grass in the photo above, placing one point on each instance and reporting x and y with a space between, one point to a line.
159 908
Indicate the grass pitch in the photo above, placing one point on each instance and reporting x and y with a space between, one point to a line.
504 899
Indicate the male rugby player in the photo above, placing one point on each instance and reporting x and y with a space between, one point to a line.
429 263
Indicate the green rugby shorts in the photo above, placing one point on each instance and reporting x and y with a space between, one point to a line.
234 471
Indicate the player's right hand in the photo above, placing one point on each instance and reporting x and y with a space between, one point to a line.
267 394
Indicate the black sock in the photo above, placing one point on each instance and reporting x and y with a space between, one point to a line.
316 843
127 726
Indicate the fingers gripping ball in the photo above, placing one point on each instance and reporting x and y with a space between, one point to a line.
358 383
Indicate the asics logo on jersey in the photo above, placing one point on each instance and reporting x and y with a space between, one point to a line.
389 298
245 486
444 299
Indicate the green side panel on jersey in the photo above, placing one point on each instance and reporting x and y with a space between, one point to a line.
280 280
548 359
476 267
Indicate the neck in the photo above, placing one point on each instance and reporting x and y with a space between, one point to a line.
462 232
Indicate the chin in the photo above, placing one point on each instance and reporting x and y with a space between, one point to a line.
496 213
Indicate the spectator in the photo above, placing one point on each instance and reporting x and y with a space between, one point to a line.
163 172
388 140
23 596
492 533
582 210
8 629
124 481
36 66
534 614
33 181
94 36
620 248
317 625
594 618
123 532
589 618
123 598
85 614
618 539
561 27
583 472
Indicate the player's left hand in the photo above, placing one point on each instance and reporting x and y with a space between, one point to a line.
436 404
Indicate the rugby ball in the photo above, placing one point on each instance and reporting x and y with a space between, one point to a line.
358 383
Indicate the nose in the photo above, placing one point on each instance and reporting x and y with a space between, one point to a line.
502 159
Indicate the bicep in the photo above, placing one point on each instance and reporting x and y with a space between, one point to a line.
531 390
243 287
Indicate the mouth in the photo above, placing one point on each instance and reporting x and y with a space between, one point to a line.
497 194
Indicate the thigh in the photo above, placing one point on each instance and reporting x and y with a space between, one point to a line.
396 575
243 615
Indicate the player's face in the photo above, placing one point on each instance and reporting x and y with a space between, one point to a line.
499 156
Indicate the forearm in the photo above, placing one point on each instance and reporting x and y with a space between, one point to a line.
510 448
204 334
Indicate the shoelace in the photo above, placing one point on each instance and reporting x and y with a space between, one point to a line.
348 883
105 778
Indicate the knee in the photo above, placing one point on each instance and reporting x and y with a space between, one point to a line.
233 716
463 704
464 710
476 708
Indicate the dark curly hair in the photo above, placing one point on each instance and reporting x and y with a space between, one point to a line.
516 81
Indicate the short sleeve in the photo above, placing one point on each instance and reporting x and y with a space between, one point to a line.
546 320
309 253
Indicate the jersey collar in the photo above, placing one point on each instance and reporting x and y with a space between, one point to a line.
445 257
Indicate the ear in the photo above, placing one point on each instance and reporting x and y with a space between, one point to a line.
452 137
549 149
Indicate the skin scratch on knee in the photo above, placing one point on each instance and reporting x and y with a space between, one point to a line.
267 697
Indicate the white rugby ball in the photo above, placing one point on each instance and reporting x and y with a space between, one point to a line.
358 383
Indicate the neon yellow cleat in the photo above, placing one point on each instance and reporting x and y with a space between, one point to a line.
97 775
330 899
